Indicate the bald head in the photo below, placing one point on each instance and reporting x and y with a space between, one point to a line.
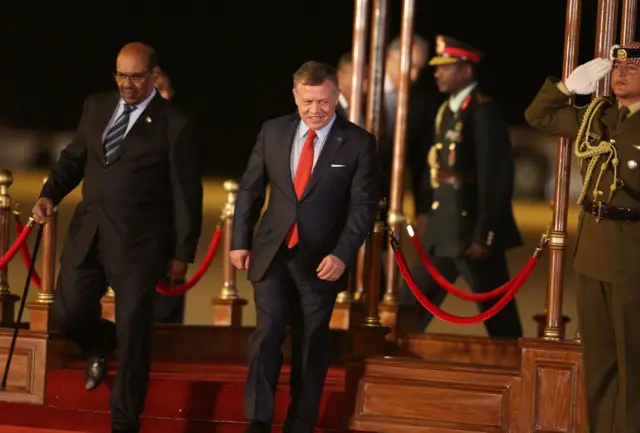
136 72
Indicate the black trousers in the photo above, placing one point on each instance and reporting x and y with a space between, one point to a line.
481 275
610 354
78 311
290 294
168 309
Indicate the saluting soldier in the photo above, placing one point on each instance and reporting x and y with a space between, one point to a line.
464 214
607 144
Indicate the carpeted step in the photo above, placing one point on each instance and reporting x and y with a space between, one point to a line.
212 392
45 418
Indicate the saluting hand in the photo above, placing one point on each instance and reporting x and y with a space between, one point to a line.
331 268
585 78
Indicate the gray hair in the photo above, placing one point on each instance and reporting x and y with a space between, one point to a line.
418 40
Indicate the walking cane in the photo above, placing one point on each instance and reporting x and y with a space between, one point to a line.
16 327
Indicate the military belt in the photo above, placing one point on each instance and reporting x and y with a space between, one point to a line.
600 211
454 179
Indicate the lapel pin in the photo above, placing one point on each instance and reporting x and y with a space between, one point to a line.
148 119
339 138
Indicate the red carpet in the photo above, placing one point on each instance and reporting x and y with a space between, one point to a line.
182 398
6 429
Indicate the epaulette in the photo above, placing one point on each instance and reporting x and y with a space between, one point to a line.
482 98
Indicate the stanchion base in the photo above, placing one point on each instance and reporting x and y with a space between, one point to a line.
228 312
8 309
40 317
345 314
109 308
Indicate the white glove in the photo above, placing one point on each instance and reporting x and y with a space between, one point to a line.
584 79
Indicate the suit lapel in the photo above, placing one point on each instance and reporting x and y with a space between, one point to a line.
144 121
335 139
287 137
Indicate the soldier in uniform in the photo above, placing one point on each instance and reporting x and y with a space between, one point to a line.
607 144
464 213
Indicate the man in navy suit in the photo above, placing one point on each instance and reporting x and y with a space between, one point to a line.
323 174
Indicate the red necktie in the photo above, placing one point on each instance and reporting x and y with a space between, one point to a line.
303 174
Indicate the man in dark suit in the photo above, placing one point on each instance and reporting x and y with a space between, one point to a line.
323 176
345 78
464 213
139 220
168 308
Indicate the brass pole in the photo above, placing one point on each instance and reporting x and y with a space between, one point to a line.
395 217
49 234
379 23
6 205
629 20
355 107
554 327
7 299
373 260
605 37
228 290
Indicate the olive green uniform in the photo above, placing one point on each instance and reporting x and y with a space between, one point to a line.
606 252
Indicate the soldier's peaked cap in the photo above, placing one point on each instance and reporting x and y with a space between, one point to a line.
450 50
628 53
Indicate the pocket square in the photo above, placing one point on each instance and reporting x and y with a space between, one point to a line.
337 165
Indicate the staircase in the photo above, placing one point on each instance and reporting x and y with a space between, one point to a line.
184 397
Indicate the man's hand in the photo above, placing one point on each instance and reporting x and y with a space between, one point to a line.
240 259
331 268
421 225
477 252
43 210
177 271
584 79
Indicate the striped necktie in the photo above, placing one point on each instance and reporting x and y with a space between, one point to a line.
117 132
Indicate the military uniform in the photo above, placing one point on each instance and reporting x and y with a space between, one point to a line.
467 195
608 239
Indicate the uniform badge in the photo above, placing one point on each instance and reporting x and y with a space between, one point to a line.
593 137
451 160
452 135
622 54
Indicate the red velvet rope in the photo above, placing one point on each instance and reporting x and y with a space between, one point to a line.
517 283
183 288
446 284
26 255
17 245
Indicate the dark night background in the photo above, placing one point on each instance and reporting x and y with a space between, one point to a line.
232 66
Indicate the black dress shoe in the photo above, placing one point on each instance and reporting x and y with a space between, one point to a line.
95 372
258 427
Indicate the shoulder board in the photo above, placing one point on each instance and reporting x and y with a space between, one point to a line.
482 98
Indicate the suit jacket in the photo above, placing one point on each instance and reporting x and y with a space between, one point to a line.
605 250
334 214
473 145
147 203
